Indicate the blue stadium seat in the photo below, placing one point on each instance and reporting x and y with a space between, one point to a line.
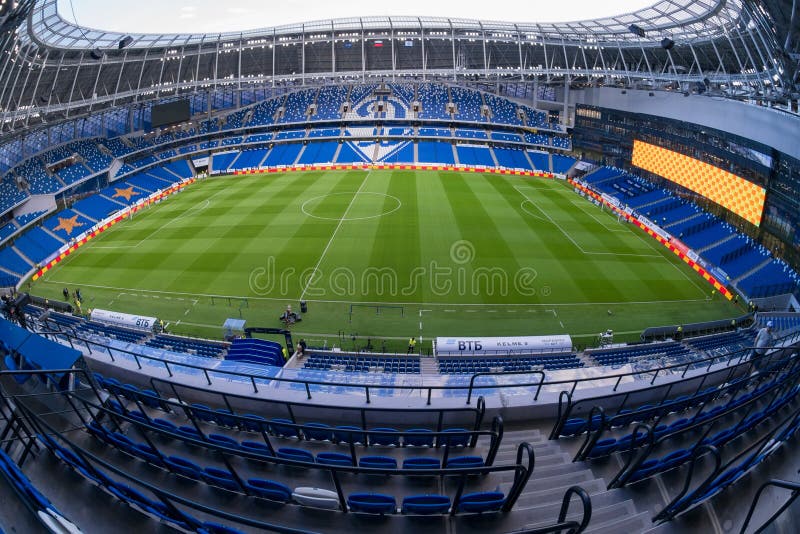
372 503
426 504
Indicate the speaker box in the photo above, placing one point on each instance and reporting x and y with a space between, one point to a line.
96 54
667 43
637 30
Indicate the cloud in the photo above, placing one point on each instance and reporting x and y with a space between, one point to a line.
238 10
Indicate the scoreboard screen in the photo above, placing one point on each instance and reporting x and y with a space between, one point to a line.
170 113
730 191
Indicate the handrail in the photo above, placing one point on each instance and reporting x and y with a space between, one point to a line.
521 471
496 373
586 502
564 399
566 407
255 379
226 451
783 484
697 454
762 446
166 497
477 412
591 436
686 366
35 507
443 438
634 461
527 459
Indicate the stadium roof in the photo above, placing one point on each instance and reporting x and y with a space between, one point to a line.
680 19
209 16
53 69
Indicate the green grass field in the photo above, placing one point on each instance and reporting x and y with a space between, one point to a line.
387 255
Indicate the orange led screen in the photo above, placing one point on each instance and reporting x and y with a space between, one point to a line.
732 192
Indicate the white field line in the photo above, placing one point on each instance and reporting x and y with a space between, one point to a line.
650 244
141 292
580 248
189 211
580 206
335 231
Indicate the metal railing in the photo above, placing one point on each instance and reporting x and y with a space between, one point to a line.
794 487
572 384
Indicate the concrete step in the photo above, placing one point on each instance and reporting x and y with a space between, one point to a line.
538 482
600 515
546 509
556 493
546 471
526 434
511 452
541 461
635 523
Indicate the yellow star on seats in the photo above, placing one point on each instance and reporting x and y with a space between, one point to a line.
125 193
68 224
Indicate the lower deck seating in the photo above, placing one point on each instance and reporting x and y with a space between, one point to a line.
37 245
432 152
362 364
189 345
97 207
512 158
480 364
674 352
561 164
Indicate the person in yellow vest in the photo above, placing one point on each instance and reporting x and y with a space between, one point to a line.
78 306
285 354
411 344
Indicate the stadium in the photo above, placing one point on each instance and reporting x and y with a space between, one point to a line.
402 272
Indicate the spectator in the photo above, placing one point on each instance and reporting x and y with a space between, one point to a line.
289 317
764 340
300 350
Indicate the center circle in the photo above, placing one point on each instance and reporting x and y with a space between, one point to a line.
319 207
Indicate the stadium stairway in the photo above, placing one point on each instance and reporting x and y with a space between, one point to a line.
494 157
685 219
23 256
428 367
754 270
612 510
716 243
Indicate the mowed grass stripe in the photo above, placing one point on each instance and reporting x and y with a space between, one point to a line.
214 247
490 274
568 273
395 250
251 234
437 231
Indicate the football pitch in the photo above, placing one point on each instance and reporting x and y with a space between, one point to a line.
384 255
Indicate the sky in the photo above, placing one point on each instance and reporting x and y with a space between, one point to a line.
211 16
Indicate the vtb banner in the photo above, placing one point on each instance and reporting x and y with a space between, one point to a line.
485 346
